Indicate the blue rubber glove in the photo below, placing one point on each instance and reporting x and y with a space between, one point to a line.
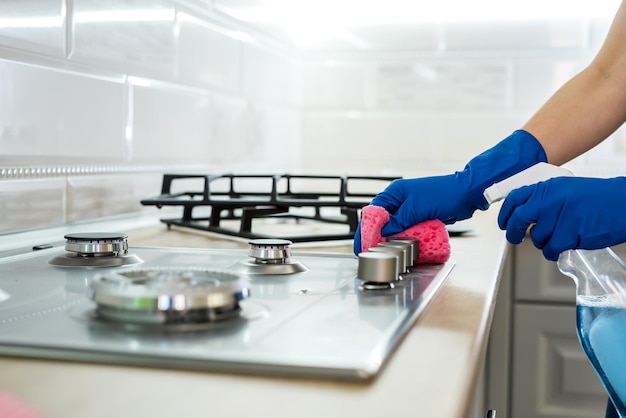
567 213
454 197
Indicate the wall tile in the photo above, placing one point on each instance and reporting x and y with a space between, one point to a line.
281 131
399 143
360 142
36 25
207 55
60 114
445 84
170 124
269 75
518 35
235 131
31 203
396 38
91 197
333 86
129 36
535 80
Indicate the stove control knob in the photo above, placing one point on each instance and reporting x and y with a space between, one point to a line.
270 250
400 253
378 267
406 246
415 246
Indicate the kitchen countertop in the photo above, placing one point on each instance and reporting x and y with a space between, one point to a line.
434 372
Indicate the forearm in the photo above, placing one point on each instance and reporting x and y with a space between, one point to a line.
589 107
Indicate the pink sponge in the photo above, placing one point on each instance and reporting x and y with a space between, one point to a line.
13 407
434 242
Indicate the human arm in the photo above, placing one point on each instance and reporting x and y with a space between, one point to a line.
568 213
581 114
589 107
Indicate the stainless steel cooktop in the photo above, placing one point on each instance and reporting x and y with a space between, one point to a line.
263 310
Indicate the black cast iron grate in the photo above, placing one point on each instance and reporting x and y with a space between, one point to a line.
231 202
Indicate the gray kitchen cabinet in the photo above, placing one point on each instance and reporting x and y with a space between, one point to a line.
535 365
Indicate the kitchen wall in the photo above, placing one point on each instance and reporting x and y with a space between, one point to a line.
99 97
450 92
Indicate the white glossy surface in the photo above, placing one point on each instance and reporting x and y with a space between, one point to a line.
400 143
91 197
31 203
269 75
129 36
517 35
47 112
331 85
208 55
345 24
33 25
447 85
236 135
170 124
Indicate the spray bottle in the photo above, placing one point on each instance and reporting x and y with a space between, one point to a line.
600 278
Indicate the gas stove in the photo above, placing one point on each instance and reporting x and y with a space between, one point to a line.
264 310
238 205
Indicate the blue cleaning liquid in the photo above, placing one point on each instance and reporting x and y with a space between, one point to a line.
602 334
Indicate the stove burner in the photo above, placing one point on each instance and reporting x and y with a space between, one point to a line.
96 249
378 270
227 201
271 256
168 296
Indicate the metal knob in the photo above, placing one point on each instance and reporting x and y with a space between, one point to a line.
415 246
378 267
407 246
397 251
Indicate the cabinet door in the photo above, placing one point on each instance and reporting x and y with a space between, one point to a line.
537 279
551 377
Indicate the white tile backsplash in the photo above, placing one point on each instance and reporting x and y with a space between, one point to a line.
104 196
57 113
208 56
330 85
129 36
35 24
31 203
99 97
170 125
444 84
235 131
407 143
399 37
270 75
515 35
535 80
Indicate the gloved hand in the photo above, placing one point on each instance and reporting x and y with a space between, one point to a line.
454 197
567 213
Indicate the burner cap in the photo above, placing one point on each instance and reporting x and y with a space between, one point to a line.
276 251
97 244
168 295
271 256
96 249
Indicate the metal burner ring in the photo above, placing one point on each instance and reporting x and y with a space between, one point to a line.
167 290
274 251
97 244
